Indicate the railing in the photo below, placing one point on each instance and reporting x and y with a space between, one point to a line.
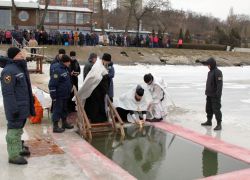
16 44
84 125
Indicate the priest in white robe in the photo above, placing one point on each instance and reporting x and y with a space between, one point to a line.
132 104
94 89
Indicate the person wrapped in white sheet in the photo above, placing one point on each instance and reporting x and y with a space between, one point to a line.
158 104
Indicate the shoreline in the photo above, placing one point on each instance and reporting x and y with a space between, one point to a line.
150 56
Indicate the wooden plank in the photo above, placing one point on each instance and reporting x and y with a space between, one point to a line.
81 124
116 113
101 125
112 117
81 107
79 104
105 130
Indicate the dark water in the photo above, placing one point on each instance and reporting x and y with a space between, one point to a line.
152 153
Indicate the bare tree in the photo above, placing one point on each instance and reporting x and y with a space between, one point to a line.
107 4
14 14
44 14
130 6
163 19
138 11
243 22
102 19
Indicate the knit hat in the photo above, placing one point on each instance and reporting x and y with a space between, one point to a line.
12 52
92 56
65 58
62 51
148 78
139 90
72 53
106 57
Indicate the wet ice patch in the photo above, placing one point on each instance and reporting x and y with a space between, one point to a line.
179 87
236 86
246 101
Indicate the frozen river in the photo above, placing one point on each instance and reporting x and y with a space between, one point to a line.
186 86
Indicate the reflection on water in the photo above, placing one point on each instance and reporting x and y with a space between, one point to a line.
151 153
209 162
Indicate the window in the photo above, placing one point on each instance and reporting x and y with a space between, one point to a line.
62 17
87 28
70 28
62 27
96 4
23 16
86 18
70 3
46 20
71 18
5 19
58 2
79 18
85 3
53 17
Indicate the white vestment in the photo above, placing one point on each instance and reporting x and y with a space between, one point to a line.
159 97
92 80
127 101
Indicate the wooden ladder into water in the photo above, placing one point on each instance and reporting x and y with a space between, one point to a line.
86 128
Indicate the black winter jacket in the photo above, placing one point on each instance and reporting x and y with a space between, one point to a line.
16 90
214 80
60 83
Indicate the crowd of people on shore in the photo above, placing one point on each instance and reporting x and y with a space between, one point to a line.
75 38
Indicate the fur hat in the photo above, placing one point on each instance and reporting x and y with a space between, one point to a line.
106 57
65 58
62 51
72 53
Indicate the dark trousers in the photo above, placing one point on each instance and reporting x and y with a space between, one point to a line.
16 124
59 109
81 42
213 106
123 114
33 51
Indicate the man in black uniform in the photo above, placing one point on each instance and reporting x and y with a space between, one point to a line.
57 58
60 88
74 70
18 102
213 93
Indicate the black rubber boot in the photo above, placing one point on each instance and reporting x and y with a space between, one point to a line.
25 152
218 127
23 146
56 128
65 125
18 160
207 123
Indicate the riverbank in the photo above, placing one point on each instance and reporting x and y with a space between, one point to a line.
155 56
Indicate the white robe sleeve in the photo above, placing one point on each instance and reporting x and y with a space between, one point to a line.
157 94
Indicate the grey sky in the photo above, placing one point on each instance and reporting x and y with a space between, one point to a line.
217 8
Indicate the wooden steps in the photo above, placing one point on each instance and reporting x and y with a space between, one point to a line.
86 128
